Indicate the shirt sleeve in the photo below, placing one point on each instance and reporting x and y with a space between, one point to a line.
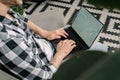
17 15
16 56
22 17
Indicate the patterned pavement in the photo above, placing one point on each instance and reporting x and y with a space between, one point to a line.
109 36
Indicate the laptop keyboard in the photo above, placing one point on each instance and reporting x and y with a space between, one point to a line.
81 45
72 36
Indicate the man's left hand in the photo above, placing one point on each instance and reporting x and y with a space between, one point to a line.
56 34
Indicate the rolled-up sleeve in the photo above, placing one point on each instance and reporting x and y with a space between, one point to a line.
23 18
20 59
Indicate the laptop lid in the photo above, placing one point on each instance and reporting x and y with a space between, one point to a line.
87 26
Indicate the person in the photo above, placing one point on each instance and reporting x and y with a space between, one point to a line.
25 48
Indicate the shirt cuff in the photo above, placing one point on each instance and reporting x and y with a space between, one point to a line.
53 68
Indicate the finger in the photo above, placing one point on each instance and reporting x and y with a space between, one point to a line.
63 33
58 37
66 41
73 46
61 41
72 42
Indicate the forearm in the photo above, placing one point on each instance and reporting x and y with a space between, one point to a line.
36 28
57 60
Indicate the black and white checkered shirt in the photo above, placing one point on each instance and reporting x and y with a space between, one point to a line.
20 53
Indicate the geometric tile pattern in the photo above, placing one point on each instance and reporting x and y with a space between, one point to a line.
110 18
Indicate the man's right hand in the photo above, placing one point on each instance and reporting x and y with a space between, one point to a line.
63 49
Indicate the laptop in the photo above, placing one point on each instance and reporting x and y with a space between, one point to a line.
84 30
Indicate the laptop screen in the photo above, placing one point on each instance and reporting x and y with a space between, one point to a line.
87 26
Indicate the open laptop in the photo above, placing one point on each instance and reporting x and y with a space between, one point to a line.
84 30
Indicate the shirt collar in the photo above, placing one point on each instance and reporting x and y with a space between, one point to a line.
12 13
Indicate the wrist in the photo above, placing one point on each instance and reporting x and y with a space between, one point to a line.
60 55
43 33
57 60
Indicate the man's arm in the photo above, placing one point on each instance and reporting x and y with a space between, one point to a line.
50 35
63 48
36 29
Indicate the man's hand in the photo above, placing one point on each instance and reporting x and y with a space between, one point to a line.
50 35
63 49
55 34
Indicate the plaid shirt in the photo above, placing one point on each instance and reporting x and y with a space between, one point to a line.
20 53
